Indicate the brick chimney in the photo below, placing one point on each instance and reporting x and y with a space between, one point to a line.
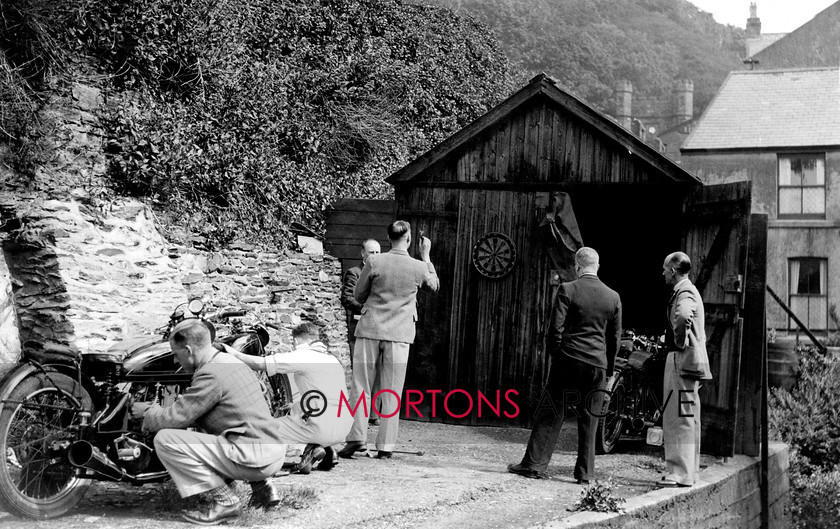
624 102
683 101
753 23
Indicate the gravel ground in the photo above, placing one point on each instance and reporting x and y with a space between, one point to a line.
460 481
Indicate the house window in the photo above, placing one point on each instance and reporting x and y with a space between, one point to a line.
802 185
808 292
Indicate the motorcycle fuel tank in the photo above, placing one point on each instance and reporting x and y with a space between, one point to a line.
154 361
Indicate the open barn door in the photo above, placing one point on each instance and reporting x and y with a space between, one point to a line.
715 236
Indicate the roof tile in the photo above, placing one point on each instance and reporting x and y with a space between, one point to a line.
771 108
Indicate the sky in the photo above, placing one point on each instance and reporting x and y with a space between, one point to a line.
777 16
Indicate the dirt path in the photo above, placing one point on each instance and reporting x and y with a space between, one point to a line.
461 481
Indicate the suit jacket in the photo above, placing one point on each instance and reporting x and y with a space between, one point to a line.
225 399
586 322
352 308
387 287
687 323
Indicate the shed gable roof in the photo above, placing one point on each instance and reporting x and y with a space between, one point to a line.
771 109
543 85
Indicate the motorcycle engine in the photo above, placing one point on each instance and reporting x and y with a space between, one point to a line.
131 454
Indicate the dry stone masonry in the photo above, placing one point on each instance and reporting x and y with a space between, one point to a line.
82 272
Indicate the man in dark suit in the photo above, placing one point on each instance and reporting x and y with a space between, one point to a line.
352 307
582 340
387 288
240 438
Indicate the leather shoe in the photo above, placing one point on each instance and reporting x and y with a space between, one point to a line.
351 448
330 460
213 515
384 454
582 481
526 472
312 455
264 497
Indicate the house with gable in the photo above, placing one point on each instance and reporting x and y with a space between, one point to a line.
813 44
780 130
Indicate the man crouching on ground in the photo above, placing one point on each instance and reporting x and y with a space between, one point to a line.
319 377
240 439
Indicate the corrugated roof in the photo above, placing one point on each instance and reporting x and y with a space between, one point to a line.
771 108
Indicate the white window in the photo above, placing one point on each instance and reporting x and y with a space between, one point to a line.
802 185
808 292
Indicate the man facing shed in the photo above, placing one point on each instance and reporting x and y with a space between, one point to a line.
583 339
387 288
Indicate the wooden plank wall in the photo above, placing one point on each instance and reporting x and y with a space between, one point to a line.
541 142
480 334
722 209
352 221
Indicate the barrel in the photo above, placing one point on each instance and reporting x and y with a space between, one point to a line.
782 363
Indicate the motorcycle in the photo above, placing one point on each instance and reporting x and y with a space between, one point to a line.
66 420
633 401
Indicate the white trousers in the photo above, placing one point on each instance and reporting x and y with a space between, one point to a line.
394 362
681 424
197 461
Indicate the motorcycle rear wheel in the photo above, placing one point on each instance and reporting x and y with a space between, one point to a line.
610 424
36 479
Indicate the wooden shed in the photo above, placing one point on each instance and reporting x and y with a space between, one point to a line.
481 196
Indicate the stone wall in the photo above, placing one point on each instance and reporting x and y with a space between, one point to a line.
88 273
90 278
9 335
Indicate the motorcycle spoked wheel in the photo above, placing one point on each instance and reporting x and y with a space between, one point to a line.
278 392
610 424
36 481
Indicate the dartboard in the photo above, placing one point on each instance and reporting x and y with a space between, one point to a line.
494 255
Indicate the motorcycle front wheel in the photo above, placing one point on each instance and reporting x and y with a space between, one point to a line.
37 422
278 393
610 423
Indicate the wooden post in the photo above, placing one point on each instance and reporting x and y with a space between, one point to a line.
802 326
748 419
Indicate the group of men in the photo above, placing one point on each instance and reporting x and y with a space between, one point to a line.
240 440
583 340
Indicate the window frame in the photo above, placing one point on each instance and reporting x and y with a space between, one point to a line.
821 298
820 158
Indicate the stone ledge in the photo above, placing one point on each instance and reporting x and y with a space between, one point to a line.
704 505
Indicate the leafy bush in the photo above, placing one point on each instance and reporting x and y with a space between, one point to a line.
808 419
238 117
599 497
815 495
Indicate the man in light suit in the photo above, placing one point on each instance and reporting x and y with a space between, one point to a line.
686 365
583 339
387 288
240 439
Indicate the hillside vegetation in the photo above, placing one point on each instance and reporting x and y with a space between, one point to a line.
243 116
236 118
590 44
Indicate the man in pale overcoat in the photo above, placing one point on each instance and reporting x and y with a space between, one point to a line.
387 288
687 364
